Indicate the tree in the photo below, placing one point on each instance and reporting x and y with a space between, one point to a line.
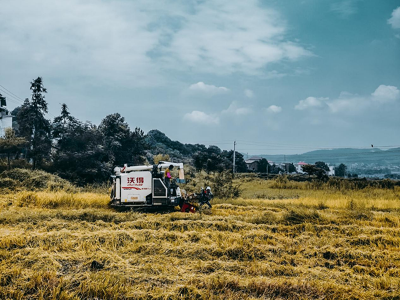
314 170
116 135
199 160
291 168
80 156
311 169
226 158
341 170
263 165
62 122
10 144
138 146
322 165
34 126
212 159
3 101
122 145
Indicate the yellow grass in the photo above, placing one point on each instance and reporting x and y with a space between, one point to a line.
291 244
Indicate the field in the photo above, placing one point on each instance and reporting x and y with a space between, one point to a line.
277 242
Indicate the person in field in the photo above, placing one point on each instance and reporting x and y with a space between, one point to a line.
168 177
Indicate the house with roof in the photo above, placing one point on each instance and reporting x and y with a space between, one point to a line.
252 163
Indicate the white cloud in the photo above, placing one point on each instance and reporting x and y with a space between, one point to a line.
98 41
352 103
201 118
138 43
213 119
220 37
386 93
345 8
311 102
208 88
274 109
235 109
349 105
248 93
395 19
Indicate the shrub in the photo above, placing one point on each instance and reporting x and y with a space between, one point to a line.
223 186
8 183
33 180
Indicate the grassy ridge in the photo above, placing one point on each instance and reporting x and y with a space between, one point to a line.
295 244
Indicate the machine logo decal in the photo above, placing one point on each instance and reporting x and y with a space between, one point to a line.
136 181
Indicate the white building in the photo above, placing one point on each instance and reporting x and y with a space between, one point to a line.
331 171
5 120
252 163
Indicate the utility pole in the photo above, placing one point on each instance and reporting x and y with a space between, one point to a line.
234 157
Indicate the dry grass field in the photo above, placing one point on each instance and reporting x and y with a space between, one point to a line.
277 242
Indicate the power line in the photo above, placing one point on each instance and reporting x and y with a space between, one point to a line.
11 97
11 93
15 98
296 146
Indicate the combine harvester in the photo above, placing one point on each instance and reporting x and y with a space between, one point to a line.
145 187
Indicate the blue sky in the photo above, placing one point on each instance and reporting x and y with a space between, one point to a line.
277 76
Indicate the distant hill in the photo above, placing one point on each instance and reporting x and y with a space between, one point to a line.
161 144
343 155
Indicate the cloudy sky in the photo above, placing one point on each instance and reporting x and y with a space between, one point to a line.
277 76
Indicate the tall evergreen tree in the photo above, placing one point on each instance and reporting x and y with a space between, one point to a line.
34 126
63 122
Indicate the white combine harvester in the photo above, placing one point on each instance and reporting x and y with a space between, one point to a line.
144 186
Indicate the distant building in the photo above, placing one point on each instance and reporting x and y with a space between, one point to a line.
252 163
331 171
299 167
5 118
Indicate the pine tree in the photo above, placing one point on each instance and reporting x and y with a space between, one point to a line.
63 122
34 126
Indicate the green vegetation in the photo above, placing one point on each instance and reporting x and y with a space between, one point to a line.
84 153
281 240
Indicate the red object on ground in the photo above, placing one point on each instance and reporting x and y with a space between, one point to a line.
187 207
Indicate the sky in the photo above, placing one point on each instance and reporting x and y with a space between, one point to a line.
279 77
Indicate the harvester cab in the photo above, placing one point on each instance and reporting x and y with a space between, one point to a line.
145 186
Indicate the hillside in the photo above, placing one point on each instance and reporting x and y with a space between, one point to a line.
159 143
344 155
